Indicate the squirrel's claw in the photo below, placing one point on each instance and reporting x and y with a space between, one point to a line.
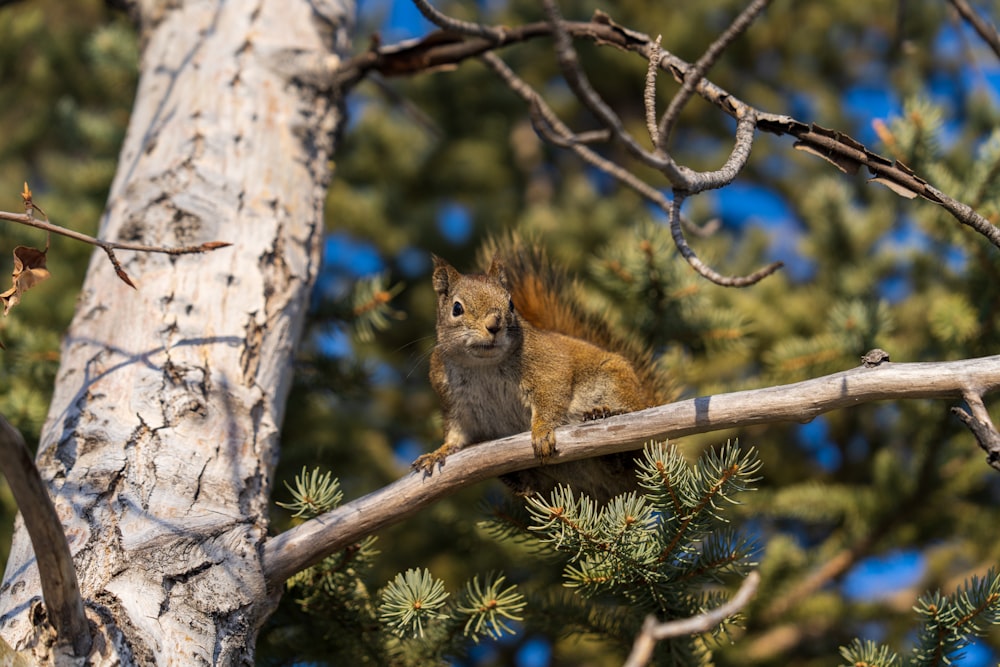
426 462
601 412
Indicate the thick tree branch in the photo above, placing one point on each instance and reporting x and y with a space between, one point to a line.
63 604
654 631
307 543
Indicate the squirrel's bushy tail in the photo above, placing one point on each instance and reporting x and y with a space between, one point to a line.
546 298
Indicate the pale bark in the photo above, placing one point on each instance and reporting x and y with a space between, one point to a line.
163 430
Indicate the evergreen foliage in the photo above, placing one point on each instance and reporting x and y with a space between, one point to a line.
412 621
948 623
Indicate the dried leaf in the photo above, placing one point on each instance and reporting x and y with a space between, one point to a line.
898 188
29 270
841 162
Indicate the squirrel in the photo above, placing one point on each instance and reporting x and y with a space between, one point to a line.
515 352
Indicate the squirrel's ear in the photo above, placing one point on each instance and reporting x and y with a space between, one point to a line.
444 274
498 272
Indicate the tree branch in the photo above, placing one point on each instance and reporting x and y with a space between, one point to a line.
28 218
985 30
982 427
654 631
308 543
552 129
31 221
63 604
701 67
446 48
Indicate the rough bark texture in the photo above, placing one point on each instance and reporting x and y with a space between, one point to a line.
163 430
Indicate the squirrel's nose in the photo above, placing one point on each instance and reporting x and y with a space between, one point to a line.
493 323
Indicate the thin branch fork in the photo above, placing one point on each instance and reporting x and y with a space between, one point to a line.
28 218
654 631
701 67
31 221
310 542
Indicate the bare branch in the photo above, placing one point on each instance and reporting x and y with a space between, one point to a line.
63 604
445 22
649 92
440 48
311 541
580 85
703 269
551 128
982 427
31 221
985 30
28 218
654 631
694 75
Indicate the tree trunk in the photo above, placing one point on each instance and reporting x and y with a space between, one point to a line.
163 430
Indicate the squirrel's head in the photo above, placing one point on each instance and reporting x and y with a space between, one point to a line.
475 316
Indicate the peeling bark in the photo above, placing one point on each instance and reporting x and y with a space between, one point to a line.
163 430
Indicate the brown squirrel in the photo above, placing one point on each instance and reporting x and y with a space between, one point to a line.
514 353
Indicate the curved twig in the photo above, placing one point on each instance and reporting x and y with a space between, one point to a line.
649 92
63 604
701 67
552 129
654 631
677 233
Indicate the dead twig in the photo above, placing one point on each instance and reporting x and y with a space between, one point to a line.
63 603
447 48
982 427
987 31
701 67
28 218
654 631
552 129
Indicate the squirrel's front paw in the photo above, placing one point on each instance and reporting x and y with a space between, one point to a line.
544 444
426 462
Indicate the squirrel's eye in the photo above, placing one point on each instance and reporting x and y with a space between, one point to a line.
511 305
457 309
